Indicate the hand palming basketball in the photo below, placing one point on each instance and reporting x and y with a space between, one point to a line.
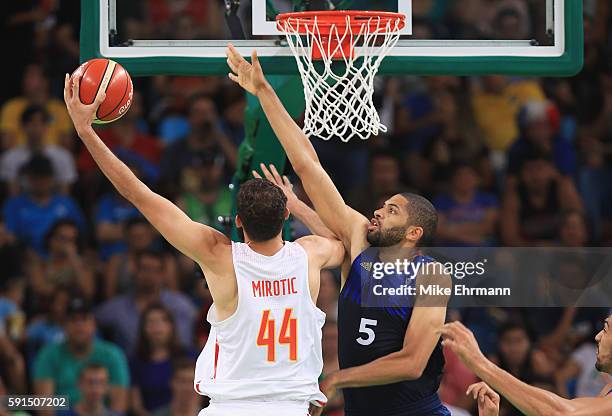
248 75
82 115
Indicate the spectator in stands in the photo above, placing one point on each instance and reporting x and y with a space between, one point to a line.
496 103
206 199
205 141
120 315
328 294
30 215
580 367
94 389
383 180
539 128
112 211
426 112
35 92
517 356
234 104
455 381
48 328
164 15
574 230
58 365
34 122
124 139
121 268
151 365
466 216
533 203
330 363
595 145
185 401
64 267
12 326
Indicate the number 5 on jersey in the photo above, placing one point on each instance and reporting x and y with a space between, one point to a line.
287 335
369 332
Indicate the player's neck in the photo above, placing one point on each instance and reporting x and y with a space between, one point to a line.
398 251
267 248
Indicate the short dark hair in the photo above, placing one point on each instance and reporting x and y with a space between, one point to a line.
92 366
150 253
31 111
38 166
136 220
261 207
63 222
182 362
512 325
423 214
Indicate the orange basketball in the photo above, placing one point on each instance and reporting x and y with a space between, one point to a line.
109 76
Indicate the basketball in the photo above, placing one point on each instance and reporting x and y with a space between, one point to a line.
110 77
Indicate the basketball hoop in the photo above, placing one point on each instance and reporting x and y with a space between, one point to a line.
340 103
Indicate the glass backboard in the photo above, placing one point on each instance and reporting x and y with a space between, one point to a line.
460 37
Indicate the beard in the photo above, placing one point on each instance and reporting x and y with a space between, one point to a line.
386 238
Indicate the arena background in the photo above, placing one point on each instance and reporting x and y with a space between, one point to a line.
486 150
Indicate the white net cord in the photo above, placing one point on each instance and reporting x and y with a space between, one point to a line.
338 92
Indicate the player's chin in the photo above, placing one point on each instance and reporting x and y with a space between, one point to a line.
373 237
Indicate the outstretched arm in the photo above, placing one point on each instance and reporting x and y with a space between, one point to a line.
343 221
193 239
530 400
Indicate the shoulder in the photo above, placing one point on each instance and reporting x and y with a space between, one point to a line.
50 352
107 350
486 199
314 244
443 202
177 300
16 201
14 105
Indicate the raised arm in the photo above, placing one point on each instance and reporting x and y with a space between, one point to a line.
343 221
530 400
193 239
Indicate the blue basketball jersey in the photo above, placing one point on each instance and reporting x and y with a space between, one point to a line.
373 327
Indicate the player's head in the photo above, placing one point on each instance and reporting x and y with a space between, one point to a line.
93 382
406 219
35 121
604 347
261 209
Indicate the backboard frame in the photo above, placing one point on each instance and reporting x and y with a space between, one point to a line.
419 57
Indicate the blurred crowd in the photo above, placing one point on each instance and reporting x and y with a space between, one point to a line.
96 306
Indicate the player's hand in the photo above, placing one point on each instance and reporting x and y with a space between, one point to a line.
462 342
248 75
329 389
82 115
282 182
488 399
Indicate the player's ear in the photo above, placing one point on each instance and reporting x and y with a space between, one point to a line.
414 233
287 213
238 221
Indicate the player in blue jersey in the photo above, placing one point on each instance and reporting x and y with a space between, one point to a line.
389 346
528 399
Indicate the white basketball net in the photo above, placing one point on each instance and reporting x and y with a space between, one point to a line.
340 104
